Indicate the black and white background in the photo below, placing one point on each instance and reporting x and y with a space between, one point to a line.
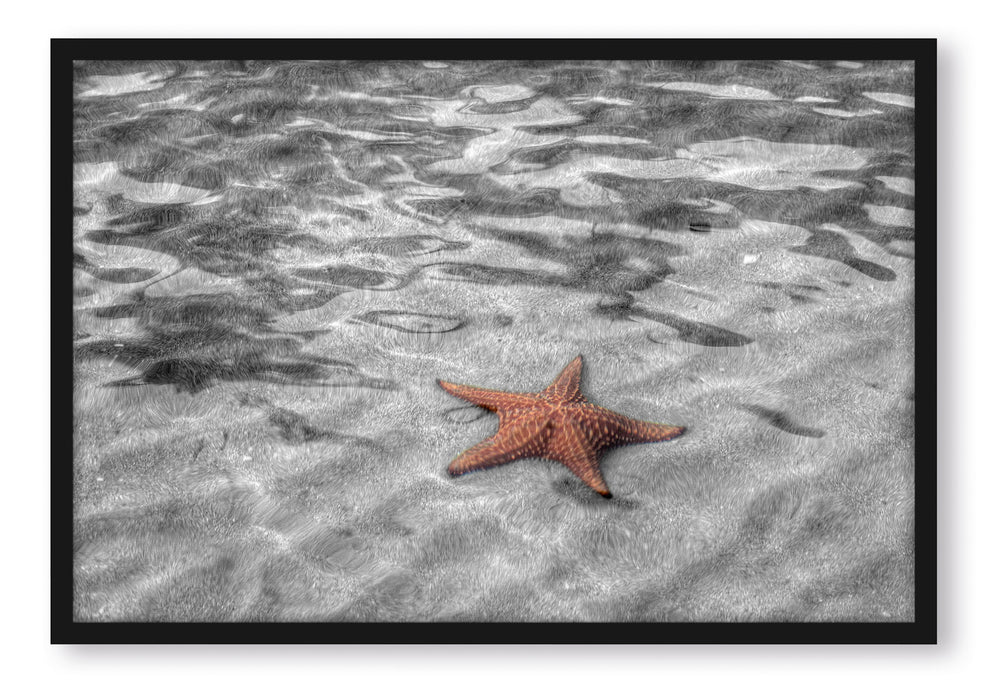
961 98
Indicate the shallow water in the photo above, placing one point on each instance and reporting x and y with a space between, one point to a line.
274 262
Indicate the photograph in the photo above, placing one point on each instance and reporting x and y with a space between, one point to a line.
543 341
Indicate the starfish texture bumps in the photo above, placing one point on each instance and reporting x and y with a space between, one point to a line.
558 423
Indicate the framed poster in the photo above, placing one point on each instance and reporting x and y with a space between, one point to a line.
493 341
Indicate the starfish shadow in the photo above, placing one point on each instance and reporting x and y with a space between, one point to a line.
781 421
833 246
573 490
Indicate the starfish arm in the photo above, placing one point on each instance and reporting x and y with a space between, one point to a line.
572 449
622 430
567 386
524 438
489 399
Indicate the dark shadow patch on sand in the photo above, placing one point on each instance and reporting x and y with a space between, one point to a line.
548 156
132 219
797 293
412 322
781 421
686 216
282 294
401 246
578 252
481 198
345 276
168 163
116 275
195 341
698 333
489 274
227 244
793 290
688 331
438 209
833 246
195 375
123 275
479 106
323 177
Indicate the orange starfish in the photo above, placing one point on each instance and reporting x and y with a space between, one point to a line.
557 423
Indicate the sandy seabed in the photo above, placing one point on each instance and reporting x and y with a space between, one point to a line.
274 263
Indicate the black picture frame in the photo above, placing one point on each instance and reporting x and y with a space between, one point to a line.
66 630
